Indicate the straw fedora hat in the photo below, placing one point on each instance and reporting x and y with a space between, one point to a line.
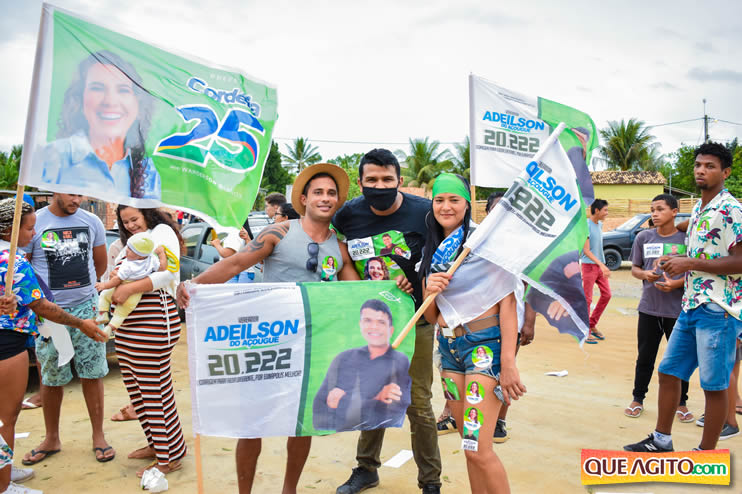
341 178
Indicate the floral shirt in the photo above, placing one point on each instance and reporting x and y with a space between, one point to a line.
712 232
26 289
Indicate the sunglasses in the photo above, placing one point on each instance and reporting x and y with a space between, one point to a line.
313 261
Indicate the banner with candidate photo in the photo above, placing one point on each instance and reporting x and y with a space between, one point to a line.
543 209
383 256
508 128
124 121
298 359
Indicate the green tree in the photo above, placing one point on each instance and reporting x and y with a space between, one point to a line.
275 176
349 163
681 166
460 158
301 154
734 182
10 163
630 146
423 162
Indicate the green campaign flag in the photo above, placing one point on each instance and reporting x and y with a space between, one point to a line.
118 119
298 359
508 128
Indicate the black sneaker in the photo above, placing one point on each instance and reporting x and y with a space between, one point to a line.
446 426
728 432
360 480
701 421
501 433
431 489
647 446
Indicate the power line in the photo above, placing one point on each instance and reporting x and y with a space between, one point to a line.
330 141
675 123
727 121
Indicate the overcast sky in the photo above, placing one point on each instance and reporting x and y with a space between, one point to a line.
382 72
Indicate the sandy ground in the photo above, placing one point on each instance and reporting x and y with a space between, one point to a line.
547 428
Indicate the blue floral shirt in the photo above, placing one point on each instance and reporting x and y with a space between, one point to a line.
72 161
712 232
26 289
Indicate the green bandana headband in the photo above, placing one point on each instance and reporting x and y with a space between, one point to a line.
448 183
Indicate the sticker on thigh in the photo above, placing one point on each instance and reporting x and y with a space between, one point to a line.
474 393
450 390
482 357
472 425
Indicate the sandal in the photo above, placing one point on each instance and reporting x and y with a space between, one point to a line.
103 458
630 411
591 340
685 417
446 426
124 414
597 334
171 467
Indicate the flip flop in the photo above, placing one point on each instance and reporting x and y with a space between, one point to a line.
597 334
632 410
590 341
27 405
102 451
685 417
45 452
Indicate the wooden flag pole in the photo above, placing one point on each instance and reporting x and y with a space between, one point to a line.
429 300
14 238
199 465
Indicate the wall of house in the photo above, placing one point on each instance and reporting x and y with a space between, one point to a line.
622 191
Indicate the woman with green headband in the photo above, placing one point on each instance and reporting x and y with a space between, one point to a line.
476 311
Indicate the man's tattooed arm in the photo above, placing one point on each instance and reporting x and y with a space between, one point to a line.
53 312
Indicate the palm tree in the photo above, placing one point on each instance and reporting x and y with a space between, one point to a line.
301 154
423 163
460 160
9 166
630 146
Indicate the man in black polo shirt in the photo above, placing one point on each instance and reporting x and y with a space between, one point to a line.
364 222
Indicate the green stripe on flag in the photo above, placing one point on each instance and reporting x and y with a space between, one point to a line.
549 250
307 359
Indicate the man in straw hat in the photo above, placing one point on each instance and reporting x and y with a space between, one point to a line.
292 251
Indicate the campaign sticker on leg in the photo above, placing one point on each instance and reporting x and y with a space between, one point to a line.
472 424
450 390
474 393
481 357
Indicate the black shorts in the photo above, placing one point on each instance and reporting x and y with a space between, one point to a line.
11 343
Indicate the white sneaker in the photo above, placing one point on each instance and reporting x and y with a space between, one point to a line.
21 474
14 488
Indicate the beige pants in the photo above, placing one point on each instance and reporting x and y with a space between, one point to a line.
122 311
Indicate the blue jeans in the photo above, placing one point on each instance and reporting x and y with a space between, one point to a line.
703 338
460 354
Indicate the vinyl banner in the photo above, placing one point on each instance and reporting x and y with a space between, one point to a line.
544 211
115 118
508 128
286 359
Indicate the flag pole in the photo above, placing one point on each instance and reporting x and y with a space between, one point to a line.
14 238
199 465
428 300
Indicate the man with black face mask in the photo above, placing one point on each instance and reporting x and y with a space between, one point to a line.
381 218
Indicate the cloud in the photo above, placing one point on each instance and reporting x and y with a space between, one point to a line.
705 46
664 85
669 33
473 14
717 75
584 89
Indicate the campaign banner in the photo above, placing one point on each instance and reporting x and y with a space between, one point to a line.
508 128
544 211
600 467
298 359
124 121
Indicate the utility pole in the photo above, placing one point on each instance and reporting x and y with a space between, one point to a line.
705 123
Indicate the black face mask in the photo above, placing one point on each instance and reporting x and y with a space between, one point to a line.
380 199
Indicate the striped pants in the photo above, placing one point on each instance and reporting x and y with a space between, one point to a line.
144 343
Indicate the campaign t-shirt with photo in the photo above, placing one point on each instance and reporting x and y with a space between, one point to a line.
648 247
62 254
396 240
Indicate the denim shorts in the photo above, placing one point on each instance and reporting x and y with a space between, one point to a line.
703 338
90 355
463 356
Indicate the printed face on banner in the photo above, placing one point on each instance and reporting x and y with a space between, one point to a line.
126 122
472 424
376 258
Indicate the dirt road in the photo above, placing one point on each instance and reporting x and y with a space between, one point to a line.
547 428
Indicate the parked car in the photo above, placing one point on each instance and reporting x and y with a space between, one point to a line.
200 254
617 242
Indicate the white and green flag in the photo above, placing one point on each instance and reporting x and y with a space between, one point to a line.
543 213
298 359
118 119
508 128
